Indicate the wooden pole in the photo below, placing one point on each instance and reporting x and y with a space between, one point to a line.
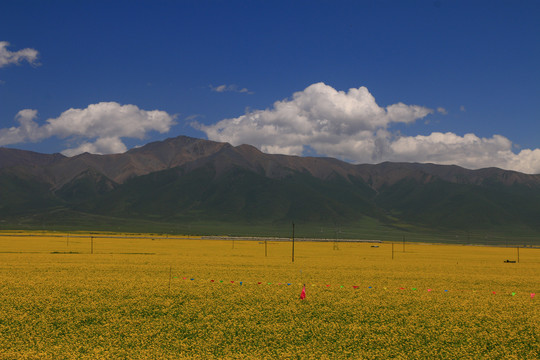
292 242
518 253
91 244
265 248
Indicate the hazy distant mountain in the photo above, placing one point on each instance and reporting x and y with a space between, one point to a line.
187 179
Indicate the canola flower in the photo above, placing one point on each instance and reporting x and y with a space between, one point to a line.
135 299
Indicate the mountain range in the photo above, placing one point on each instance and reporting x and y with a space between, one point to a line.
186 180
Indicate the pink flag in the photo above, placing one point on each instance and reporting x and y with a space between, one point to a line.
533 295
303 293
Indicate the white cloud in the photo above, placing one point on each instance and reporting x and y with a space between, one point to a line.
104 145
98 128
333 123
469 151
28 130
230 88
448 148
442 110
16 57
352 126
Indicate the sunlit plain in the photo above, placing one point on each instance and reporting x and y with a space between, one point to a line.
141 296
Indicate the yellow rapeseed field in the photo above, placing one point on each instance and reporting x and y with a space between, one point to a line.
118 296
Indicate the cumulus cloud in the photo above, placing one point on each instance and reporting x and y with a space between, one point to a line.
230 88
469 151
331 122
16 57
352 126
103 145
27 131
96 129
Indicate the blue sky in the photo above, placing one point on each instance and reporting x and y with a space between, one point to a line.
450 82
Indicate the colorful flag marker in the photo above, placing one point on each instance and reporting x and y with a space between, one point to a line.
532 295
303 293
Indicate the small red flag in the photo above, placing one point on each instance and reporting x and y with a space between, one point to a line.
303 293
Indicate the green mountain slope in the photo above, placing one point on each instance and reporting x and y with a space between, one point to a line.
237 195
448 205
183 183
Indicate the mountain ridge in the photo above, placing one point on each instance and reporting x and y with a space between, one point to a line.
174 152
183 178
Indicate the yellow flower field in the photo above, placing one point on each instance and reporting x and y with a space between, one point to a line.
155 297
